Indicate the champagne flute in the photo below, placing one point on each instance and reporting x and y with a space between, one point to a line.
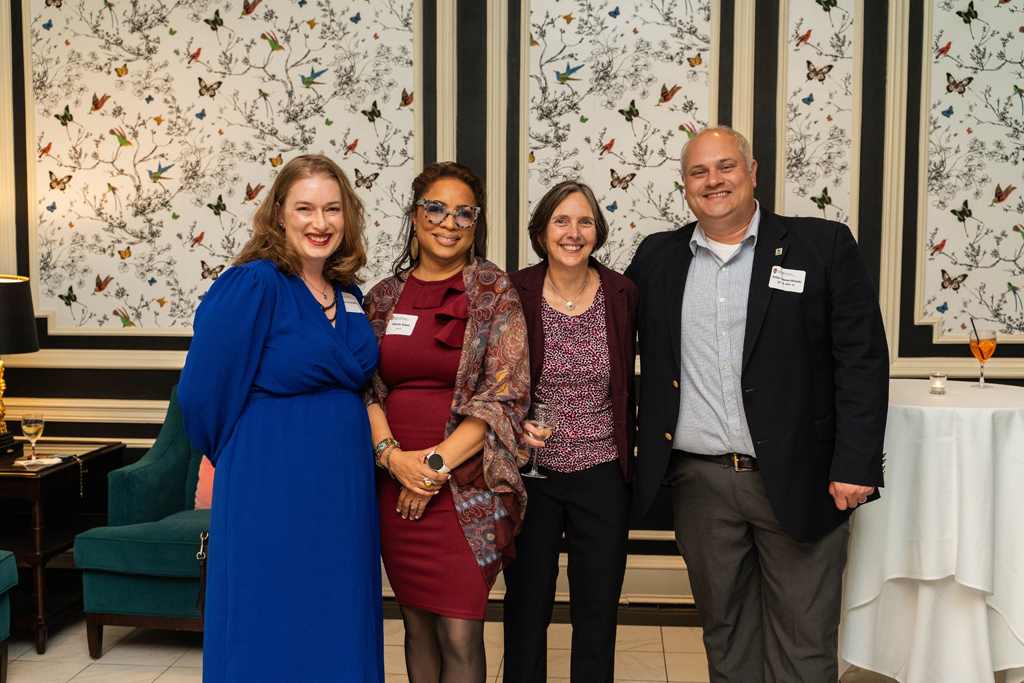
543 418
32 427
983 345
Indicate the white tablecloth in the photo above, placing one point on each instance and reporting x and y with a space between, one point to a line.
935 582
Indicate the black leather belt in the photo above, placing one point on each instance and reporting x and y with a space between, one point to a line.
738 461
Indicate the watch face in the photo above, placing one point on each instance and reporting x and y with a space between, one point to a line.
435 461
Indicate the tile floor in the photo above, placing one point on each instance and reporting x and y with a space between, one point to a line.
642 653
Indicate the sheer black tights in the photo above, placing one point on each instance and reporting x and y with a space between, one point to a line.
443 649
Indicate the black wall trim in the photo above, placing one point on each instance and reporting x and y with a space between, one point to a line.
727 28
766 83
20 148
428 98
471 133
151 385
513 164
872 141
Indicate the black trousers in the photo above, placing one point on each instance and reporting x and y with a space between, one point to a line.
592 508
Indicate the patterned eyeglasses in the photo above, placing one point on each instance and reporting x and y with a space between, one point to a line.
437 213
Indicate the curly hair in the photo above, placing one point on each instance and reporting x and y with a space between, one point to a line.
268 239
538 227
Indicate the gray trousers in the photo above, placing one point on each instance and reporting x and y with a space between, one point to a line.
769 606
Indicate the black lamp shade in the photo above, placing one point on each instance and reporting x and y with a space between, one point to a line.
17 317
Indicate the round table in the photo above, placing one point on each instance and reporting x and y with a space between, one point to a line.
934 590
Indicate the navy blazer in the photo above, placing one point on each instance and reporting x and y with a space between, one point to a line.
620 297
815 375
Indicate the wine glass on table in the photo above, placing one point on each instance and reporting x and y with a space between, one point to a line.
32 427
983 345
543 419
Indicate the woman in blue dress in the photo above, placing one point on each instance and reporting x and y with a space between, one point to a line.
270 393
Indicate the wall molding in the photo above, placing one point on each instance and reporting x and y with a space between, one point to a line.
99 359
105 411
447 78
524 133
8 184
417 84
743 68
714 73
497 124
781 120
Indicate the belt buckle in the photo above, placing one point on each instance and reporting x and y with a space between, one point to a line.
736 464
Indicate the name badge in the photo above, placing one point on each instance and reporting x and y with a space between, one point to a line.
351 303
787 280
402 324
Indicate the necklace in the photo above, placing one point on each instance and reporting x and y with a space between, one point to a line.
569 305
323 292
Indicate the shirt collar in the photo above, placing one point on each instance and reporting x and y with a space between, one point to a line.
700 238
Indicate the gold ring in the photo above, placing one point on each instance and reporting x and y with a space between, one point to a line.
428 482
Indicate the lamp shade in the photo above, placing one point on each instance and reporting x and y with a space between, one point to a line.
17 317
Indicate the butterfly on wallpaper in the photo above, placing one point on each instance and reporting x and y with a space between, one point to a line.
125 253
376 37
48 25
65 118
816 73
68 298
621 182
59 183
569 71
532 158
249 7
406 99
276 161
172 32
219 206
607 147
352 146
209 89
201 115
1001 194
101 283
52 207
953 85
948 112
162 301
212 273
121 71
158 174
310 80
963 326
122 314
302 3
828 6
250 194
356 19
943 308
215 23
45 150
149 99
372 114
54 3
635 31
194 56
632 113
583 119
809 99
614 14
151 281
949 282
312 23
970 14
613 206
568 18
159 119
328 122
365 181
632 225
271 38
969 131
695 61
963 213
822 200
667 94
174 216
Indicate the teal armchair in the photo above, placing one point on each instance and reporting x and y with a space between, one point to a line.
8 577
141 570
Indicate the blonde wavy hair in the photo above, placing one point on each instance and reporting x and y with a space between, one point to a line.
268 237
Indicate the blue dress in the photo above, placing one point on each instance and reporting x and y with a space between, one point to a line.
270 392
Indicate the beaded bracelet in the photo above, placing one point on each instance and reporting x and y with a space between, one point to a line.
379 450
393 447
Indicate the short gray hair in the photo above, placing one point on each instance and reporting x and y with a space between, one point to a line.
742 142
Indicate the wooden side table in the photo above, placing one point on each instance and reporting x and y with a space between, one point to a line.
37 537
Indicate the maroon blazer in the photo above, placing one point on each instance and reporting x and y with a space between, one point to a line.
620 296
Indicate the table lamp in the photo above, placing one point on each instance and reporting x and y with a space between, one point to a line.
17 335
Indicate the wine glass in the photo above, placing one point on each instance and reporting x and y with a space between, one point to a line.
983 345
543 418
32 427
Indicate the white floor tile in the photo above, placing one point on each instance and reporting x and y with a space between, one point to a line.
193 658
394 659
16 648
688 667
640 666
182 674
151 647
558 663
42 672
394 632
117 673
70 645
494 635
396 678
559 636
682 639
638 639
494 660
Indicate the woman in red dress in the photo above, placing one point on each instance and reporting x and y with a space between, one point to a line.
445 407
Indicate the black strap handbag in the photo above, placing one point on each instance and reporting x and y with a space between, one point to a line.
204 542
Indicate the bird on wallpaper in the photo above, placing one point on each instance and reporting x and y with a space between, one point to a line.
532 41
607 147
310 80
1019 93
158 174
113 190
667 94
251 192
943 51
198 240
569 71
266 100
122 313
1000 3
45 150
804 38
194 56
98 102
249 7
406 99
122 138
110 6
938 247
689 129
1017 303
101 283
351 147
1019 229
271 38
1002 195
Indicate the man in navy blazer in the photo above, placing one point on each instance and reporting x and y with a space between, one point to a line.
762 401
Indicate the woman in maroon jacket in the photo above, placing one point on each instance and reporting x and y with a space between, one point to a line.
581 323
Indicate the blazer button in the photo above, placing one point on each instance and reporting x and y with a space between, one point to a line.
675 383
668 437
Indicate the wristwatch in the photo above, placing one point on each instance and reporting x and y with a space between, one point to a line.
436 462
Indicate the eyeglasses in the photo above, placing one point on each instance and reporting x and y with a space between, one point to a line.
437 213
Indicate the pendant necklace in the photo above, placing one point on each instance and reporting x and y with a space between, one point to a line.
569 305
323 292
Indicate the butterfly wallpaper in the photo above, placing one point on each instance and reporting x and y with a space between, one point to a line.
973 251
159 126
819 109
615 89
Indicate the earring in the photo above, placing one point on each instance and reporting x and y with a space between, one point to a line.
414 248
472 252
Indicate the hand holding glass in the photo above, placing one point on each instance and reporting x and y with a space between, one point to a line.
542 421
32 427
983 345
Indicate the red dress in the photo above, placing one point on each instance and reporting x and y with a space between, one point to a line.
428 561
